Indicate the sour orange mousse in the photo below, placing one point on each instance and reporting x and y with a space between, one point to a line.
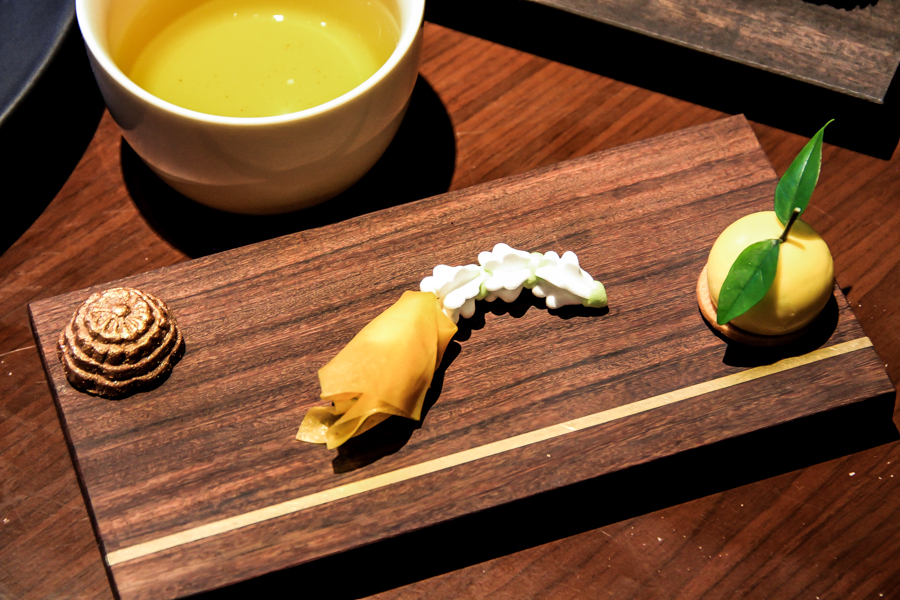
804 281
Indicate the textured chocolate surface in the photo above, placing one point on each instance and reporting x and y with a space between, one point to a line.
119 341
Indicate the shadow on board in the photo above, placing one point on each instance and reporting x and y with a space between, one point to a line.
45 135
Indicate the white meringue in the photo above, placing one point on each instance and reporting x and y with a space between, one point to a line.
504 272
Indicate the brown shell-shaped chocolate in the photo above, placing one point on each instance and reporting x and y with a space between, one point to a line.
119 341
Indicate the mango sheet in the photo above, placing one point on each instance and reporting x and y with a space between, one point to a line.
386 369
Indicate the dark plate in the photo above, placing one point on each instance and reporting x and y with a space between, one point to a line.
49 106
31 32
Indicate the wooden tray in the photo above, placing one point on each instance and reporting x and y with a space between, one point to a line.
200 483
853 50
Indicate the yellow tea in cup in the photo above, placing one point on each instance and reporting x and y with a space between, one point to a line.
256 58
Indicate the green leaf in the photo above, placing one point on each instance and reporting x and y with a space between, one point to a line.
748 280
797 185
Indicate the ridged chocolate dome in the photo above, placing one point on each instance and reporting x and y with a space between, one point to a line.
119 341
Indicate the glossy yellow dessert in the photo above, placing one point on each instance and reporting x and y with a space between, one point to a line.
803 282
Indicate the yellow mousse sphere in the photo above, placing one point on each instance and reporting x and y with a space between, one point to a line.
803 283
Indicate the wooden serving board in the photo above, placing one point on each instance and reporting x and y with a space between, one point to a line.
850 47
200 482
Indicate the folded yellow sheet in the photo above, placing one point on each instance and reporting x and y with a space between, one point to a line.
385 370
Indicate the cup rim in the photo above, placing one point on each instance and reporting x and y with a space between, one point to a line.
407 37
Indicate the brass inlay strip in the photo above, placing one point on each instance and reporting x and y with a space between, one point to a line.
438 464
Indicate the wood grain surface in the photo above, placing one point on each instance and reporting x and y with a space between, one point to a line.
808 512
215 441
851 47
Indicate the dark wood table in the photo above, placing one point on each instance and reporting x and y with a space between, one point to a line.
815 517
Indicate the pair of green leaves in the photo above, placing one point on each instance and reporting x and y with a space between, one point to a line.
753 272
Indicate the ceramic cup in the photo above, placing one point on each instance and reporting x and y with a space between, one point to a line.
260 165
